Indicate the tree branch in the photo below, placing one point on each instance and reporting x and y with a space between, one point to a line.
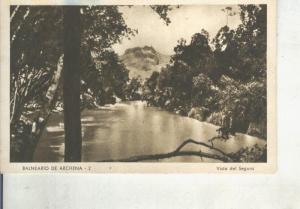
222 156
200 143
14 13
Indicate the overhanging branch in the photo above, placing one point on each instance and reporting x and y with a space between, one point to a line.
222 156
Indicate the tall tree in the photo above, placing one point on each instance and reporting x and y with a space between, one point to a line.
37 48
71 85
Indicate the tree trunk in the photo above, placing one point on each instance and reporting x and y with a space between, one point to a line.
31 140
13 112
71 84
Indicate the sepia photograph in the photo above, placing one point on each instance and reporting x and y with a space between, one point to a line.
149 104
139 83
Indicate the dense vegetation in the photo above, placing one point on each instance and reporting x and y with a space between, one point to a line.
37 54
207 78
37 61
204 79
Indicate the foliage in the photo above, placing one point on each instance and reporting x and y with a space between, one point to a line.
103 77
198 55
226 75
247 44
36 45
103 26
250 154
133 89
162 11
36 50
203 92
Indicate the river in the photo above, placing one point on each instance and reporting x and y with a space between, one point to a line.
130 129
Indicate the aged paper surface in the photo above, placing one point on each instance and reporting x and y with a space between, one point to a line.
212 107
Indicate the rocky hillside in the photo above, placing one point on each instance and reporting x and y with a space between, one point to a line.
142 61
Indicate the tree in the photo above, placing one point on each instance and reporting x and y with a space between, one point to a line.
227 74
241 53
229 12
241 58
133 89
71 75
198 54
202 93
71 85
175 81
35 53
103 78
36 59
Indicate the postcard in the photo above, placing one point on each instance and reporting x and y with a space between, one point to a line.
138 86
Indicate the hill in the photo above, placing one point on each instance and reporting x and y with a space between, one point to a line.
142 61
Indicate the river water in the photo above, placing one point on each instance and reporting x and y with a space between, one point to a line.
130 129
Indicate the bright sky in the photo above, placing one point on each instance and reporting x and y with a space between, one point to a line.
185 21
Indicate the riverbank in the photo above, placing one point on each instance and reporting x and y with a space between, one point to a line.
203 114
130 129
126 123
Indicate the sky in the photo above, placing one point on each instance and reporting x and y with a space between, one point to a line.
185 21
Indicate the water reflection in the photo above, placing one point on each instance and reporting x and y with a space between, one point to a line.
128 129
